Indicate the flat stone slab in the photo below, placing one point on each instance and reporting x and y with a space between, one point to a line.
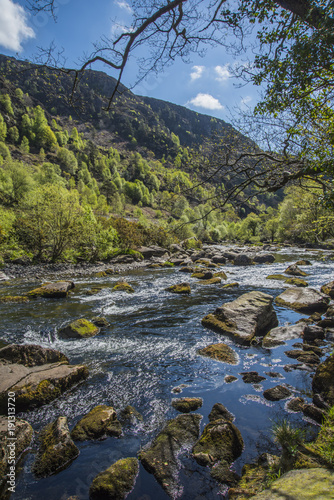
250 315
56 290
306 300
35 386
301 484
279 335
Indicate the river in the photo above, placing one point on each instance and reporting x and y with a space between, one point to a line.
150 348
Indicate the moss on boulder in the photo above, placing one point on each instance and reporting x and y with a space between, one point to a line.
130 415
221 275
183 288
220 440
57 449
231 285
294 270
14 299
123 286
186 405
99 422
115 482
56 290
323 380
212 281
296 282
31 355
205 275
220 412
279 277
279 335
305 300
79 329
328 289
220 352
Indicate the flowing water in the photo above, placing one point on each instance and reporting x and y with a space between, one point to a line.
150 348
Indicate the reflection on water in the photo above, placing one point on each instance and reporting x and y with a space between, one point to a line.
150 347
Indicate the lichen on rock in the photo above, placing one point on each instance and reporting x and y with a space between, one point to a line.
79 329
101 421
115 482
220 352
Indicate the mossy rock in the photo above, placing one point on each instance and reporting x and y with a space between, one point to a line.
212 281
230 378
99 422
219 412
183 288
303 263
295 271
205 275
220 352
16 299
95 289
296 282
57 449
101 274
186 405
305 300
186 269
279 277
328 289
277 393
305 484
252 377
221 440
323 380
100 321
154 266
221 275
122 286
56 290
31 355
231 285
79 329
115 482
167 264
130 415
161 458
223 474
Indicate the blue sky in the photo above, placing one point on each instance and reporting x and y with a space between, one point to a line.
204 84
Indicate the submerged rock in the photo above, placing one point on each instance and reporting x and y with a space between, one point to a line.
183 288
100 321
130 415
115 482
279 335
57 449
277 393
17 299
79 329
56 290
323 380
186 405
101 421
250 315
161 458
22 432
305 300
221 352
304 263
305 484
220 441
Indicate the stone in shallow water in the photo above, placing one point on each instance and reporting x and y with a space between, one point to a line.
79 329
303 299
115 482
323 380
279 335
296 404
221 352
276 393
295 271
252 377
328 289
182 288
56 290
101 421
220 412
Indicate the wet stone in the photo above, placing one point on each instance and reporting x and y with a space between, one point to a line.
276 393
251 377
220 412
296 404
186 405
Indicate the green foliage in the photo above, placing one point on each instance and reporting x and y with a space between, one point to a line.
3 129
6 104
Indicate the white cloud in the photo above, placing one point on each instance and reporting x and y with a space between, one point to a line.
223 73
119 28
124 5
245 101
197 72
13 25
206 101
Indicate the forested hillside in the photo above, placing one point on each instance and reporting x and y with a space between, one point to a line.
81 181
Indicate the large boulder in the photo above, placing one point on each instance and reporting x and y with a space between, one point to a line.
306 300
220 352
15 437
57 449
31 355
242 259
279 335
152 251
250 315
115 482
34 383
266 258
300 484
79 329
220 441
328 289
99 422
294 270
161 458
323 380
56 290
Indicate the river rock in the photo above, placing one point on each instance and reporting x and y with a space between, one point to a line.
116 482
276 393
300 484
328 289
57 449
152 251
251 377
212 281
279 335
122 286
3 276
231 285
230 378
79 329
219 412
37 385
312 333
242 260
218 259
31 355
302 356
330 311
15 437
220 441
303 263
315 413
296 282
187 269
101 421
323 380
129 415
296 404
266 258
279 277
56 290
161 458
100 321
221 352
186 405
303 299
250 315
205 275
295 271
182 288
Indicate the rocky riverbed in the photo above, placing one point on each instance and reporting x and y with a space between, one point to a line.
152 349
